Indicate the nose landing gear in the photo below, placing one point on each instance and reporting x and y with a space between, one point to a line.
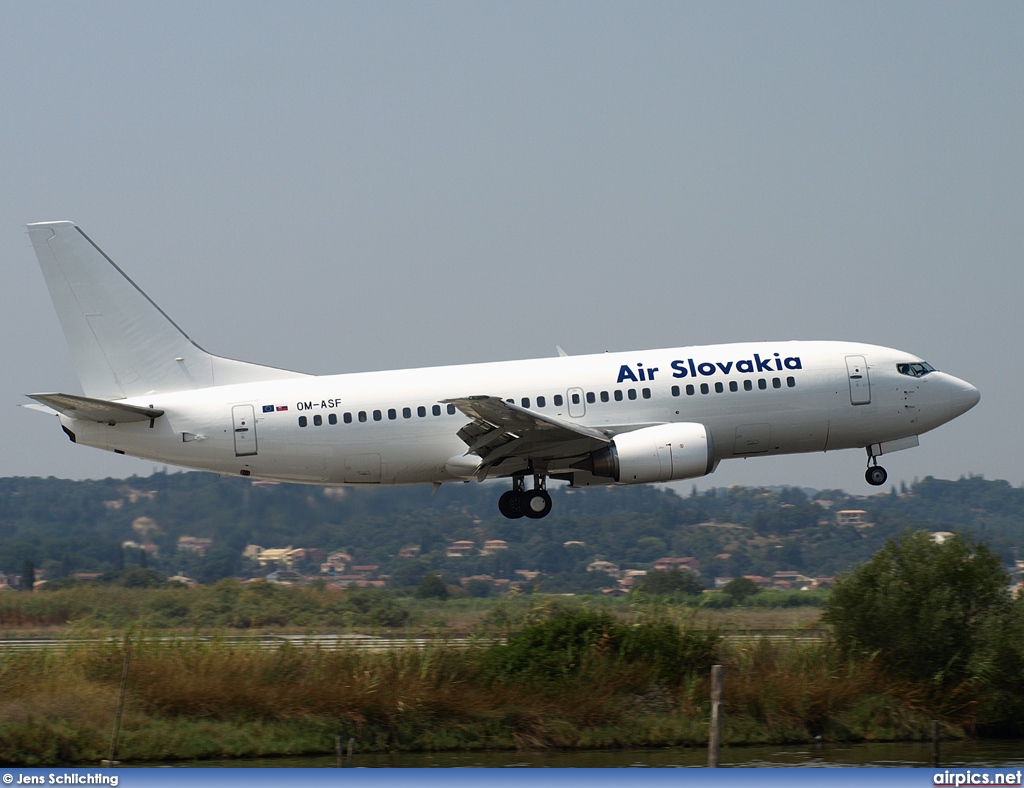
520 502
875 475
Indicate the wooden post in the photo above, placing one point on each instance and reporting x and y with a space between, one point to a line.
935 742
715 738
120 705
337 750
351 744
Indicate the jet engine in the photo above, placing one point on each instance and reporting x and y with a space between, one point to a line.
664 453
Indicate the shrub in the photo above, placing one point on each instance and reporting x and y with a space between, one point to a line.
572 642
923 608
672 581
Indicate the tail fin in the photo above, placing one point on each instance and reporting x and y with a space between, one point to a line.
122 344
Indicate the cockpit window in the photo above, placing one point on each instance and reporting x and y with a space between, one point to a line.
915 370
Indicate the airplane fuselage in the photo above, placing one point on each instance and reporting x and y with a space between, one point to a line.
395 427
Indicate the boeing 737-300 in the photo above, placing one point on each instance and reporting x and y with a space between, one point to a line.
614 418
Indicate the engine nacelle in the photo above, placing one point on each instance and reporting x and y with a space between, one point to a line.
665 453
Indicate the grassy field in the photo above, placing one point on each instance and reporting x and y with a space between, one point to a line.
576 679
268 607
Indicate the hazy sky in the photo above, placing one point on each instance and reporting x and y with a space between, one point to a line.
337 187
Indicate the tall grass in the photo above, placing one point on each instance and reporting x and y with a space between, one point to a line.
566 681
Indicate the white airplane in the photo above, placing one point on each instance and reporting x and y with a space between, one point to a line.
614 418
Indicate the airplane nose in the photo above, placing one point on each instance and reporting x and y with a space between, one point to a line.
963 398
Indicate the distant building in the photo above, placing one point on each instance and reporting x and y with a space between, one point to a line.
251 551
574 543
941 536
688 564
409 552
285 577
528 574
185 581
851 517
491 546
152 549
194 544
607 567
285 556
7 583
460 549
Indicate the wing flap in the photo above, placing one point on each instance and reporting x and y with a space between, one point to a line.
98 410
502 429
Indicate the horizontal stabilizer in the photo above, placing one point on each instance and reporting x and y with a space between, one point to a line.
98 410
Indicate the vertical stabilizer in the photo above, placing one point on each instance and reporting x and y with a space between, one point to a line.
122 344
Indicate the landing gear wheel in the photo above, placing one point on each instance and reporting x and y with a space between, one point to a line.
510 504
536 504
876 475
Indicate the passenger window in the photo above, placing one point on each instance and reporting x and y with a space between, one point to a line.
302 421
733 386
406 413
719 388
631 393
525 402
575 399
618 395
347 418
436 410
377 415
541 401
675 391
689 390
421 411
791 381
558 400
591 398
510 401
332 418
318 420
704 388
646 393
747 385
392 414
451 410
604 396
362 415
762 384
776 383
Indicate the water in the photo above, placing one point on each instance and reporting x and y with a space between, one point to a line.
994 754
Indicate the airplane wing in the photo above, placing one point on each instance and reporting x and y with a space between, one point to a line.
98 410
502 429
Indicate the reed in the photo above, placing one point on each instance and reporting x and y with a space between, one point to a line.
192 698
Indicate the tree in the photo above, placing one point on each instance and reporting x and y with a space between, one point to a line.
670 582
28 575
432 587
923 608
739 588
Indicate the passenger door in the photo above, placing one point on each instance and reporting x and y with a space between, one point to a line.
244 419
860 385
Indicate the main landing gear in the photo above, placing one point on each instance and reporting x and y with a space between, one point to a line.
520 502
875 475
